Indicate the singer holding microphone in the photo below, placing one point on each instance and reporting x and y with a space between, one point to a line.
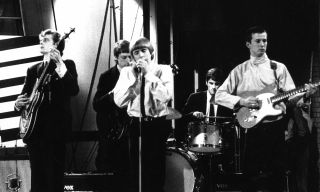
145 90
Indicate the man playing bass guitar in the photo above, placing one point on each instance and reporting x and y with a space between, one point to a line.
46 143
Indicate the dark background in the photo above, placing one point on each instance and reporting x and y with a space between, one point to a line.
210 33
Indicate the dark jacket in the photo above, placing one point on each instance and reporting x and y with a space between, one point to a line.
54 119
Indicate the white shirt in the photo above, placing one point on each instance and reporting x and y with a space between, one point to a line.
158 92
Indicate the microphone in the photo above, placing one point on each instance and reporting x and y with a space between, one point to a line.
175 68
139 69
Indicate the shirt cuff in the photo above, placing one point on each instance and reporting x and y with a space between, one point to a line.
62 70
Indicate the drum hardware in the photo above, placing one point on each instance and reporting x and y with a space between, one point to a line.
173 114
237 150
218 117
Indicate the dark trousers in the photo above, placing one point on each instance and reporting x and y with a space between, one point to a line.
154 134
265 157
299 153
113 156
47 160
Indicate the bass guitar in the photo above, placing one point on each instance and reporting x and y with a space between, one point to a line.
29 113
250 117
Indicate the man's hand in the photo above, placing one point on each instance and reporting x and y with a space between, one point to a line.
56 57
142 65
311 89
250 102
281 106
22 101
198 114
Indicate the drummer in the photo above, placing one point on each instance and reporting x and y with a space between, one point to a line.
201 106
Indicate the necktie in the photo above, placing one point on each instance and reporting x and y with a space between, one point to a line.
211 106
211 110
142 109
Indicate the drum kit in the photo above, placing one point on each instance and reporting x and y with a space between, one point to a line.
212 147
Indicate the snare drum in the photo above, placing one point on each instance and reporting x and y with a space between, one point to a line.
204 137
182 174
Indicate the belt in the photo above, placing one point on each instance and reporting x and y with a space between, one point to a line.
150 119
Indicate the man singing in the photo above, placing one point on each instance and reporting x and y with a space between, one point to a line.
145 89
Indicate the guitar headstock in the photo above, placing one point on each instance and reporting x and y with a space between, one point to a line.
66 35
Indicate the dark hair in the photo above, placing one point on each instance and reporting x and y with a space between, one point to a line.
122 46
252 30
142 43
55 37
215 74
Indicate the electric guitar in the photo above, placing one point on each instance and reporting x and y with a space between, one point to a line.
29 113
249 117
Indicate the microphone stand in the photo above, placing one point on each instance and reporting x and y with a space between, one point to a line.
140 127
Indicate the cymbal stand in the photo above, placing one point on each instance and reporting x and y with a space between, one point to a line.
237 150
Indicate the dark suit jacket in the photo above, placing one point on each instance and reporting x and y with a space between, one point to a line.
109 114
54 115
197 102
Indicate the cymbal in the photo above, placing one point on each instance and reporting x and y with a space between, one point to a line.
173 114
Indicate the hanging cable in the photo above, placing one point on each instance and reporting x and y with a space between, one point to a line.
110 46
74 147
112 19
113 13
135 21
54 15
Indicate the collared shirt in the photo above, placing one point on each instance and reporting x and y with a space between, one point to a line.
251 78
158 91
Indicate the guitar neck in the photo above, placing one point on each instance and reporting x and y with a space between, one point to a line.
290 93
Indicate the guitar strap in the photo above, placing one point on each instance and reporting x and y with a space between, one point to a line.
273 66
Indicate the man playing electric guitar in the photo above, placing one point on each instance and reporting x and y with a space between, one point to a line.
46 144
264 147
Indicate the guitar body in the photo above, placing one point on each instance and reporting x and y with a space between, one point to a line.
29 116
248 118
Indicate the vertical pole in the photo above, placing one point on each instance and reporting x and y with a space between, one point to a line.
121 19
22 18
113 14
172 58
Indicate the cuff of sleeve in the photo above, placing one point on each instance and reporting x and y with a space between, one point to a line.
16 107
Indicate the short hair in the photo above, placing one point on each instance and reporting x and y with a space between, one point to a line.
55 37
215 74
142 43
121 46
252 30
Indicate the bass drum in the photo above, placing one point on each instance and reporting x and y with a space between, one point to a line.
182 174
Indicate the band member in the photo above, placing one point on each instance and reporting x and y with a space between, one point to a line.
46 145
112 121
202 105
146 81
264 158
202 108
